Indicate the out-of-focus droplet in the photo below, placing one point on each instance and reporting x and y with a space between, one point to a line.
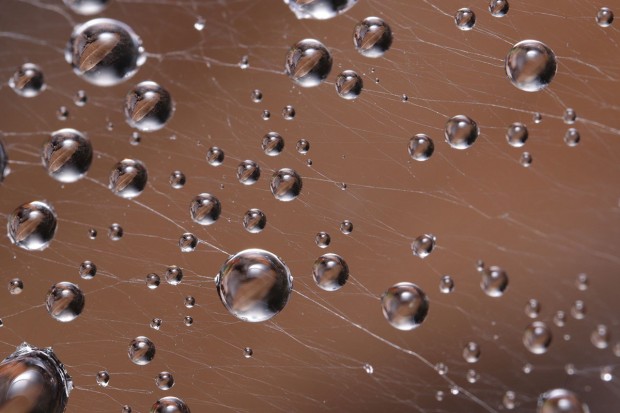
32 226
465 19
439 395
248 172
104 52
215 156
372 37
530 65
169 405
471 352
177 179
65 301
164 380
600 337
494 281
254 221
199 25
319 9
4 161
188 320
578 310
517 134
141 351
582 282
537 337
103 378
80 98
188 242
190 301
572 137
461 132
115 232
16 286
272 144
288 112
205 209
498 8
173 275
248 352
404 306
346 227
62 113
285 184
87 7
446 284
156 323
472 376
254 285
349 84
244 62
559 319
441 368
266 114
537 118
421 147
67 155
423 245
532 308
527 368
509 400
152 281
128 178
148 107
604 17
88 270
330 272
560 401
607 373
308 63
526 159
256 96
570 369
28 81
322 239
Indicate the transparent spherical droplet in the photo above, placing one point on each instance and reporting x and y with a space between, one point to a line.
177 179
266 114
441 368
559 319
65 301
308 62
288 112
494 281
34 380
525 159
560 401
173 275
570 116
346 227
28 81
405 306
135 139
152 281
254 285
439 395
461 132
578 310
537 337
368 368
607 373
272 144
126 409
330 272
472 376
170 405
256 96
537 118
115 232
164 380
156 323
188 242
285 184
254 221
67 155
205 209
372 37
480 266
319 9
517 134
88 270
16 286
349 85
141 351
302 146
32 226
530 65
62 113
80 98
322 239
509 400
600 337
87 7
92 233
446 284
189 301
471 352
421 147
148 107
103 378
215 156
199 24
532 308
604 17
572 137
582 282
498 8
188 320
248 352
244 62
128 178
423 245
465 19
570 369
248 172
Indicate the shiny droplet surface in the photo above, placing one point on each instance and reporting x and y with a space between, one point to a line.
148 106
272 144
169 405
509 400
600 337
346 227
88 270
604 17
141 351
349 85
446 284
560 401
461 132
330 272
288 112
103 378
87 7
16 286
423 245
164 380
526 159
128 178
205 209
498 8
254 220
494 281
177 179
173 275
156 323
421 147
308 63
530 65
517 134
28 81
190 301
572 137
302 146
104 52
532 308
405 306
570 116
254 285
537 337
115 232
215 156
248 172
471 352
67 155
32 226
319 9
465 19
372 37
285 184
65 301
188 242
322 239
188 320
152 281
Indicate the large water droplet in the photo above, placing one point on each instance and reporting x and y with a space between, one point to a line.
349 84
308 63
560 401
148 106
87 7
128 178
319 9
285 184
28 81
65 301
32 226
494 281
461 132
604 17
421 147
372 37
330 272
67 155
530 65
169 405
465 19
205 209
141 351
537 337
404 306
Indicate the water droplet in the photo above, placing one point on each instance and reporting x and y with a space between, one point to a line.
404 98
439 395
309 162
189 301
173 275
308 63
494 281
88 270
446 284
517 134
104 52
526 159
244 62
559 319
530 65
423 245
148 107
266 114
256 96
115 232
177 179
607 373
330 272
319 9
126 409
509 400
461 132
285 184
103 378
572 137
303 146
537 118
141 351
322 239
188 242
32 226
254 285
87 7
164 380
532 308
372 37
28 81
471 352
560 401
454 390
4 160
65 301
205 209
80 98
578 310
272 144
248 172
128 178
188 321
465 19
405 306
604 17
215 156
570 116
254 221
16 286
498 8
349 85
368 368
199 24
248 352
156 323
152 281
346 227
600 337
288 112
92 233
421 147
169 405
582 282
537 337
570 369
616 349
67 155
441 368
480 266
62 113
472 376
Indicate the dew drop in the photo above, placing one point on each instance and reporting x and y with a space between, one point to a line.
288 112
537 337
526 159
164 380
532 308
607 373
302 146
578 310
319 9
308 63
16 286
559 319
266 114
537 118
115 232
604 17
128 178
65 301
244 62
156 323
446 284
103 378
461 132
421 147
465 19
199 25
254 221
472 376
570 369
256 96
169 405
248 172
88 270
92 233
349 85
494 281
423 245
509 400
471 352
190 301
28 81
248 352
322 239
152 281
148 107
498 8
441 368
530 65
330 272
188 321
80 98
405 306
439 395
87 7
205 209
517 134
285 185
272 144
67 155
177 179
346 227
372 37
600 337
582 282
560 401
368 368
62 113
572 137
570 116
173 275
188 242
215 156
32 226
141 351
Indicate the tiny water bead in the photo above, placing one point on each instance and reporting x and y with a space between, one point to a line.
62 113
169 405
152 281
4 160
494 281
607 373
87 270
173 275
559 319
128 178
148 107
346 227
103 378
256 96
254 221
32 226
254 285
537 337
244 63
526 159
604 17
248 352
530 65
16 286
215 156
404 306
177 179
80 98
472 376
578 310
421 147
156 323
582 282
188 242
65 301
115 232
126 409
349 85
330 272
302 146
205 209
135 139
288 112
248 172
272 144
441 368
87 7
532 308
67 155
319 9
266 114
368 368
308 63
465 19
285 184
560 401
92 233
461 132
188 321
372 37
189 301
570 116
423 245
446 284
572 137
471 352
537 118
498 8
28 81
509 400
164 380
517 134
322 239
141 351
600 337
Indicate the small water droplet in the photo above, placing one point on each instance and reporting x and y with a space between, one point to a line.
62 113
65 301
266 114
285 184
288 112
570 116
128 178
423 245
404 306
330 272
173 275
215 156
177 179
199 24
141 351
465 19
509 400
256 96
205 209
607 373
421 147
115 232
164 380
537 337
471 352
604 17
322 239
190 301
308 63
526 159
472 376
28 81
461 132
103 378
188 242
244 62
248 352
32 226
600 337
532 308
572 137
517 134
446 284
372 37
578 310
156 323
537 118
16 286
248 172
441 368
152 281
254 221
80 98
67 155
87 7
272 144
319 9
88 270
498 8
346 227
530 65
148 107
92 233
349 85
368 368
559 319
